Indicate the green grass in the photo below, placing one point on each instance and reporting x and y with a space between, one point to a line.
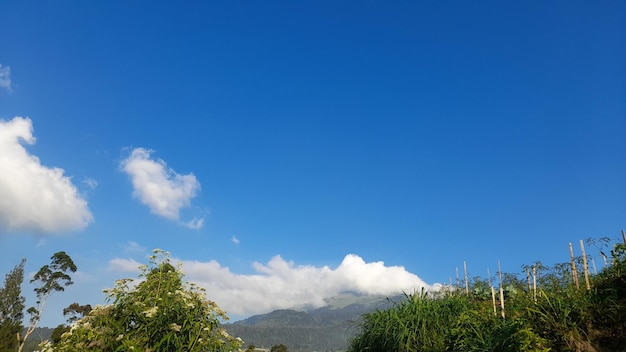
561 318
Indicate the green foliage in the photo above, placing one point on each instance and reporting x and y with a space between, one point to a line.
279 348
475 330
58 332
76 311
11 308
420 323
160 313
608 298
50 278
54 277
563 317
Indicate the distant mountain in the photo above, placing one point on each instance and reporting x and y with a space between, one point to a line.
303 329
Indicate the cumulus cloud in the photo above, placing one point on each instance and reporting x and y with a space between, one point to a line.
281 284
5 77
160 188
32 196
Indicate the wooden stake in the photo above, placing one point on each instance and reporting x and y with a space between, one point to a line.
528 278
466 281
535 283
493 293
624 236
458 285
585 266
501 291
574 271
493 300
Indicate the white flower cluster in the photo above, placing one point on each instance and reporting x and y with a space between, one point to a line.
151 312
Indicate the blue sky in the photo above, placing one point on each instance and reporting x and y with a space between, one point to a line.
286 151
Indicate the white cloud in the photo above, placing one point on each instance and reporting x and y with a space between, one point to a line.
194 224
281 284
5 77
91 183
160 188
134 247
32 196
235 240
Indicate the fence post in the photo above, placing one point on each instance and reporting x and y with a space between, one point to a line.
574 271
585 266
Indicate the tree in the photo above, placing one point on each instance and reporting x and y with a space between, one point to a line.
161 313
11 308
279 348
75 311
50 278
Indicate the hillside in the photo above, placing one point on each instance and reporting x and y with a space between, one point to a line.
303 330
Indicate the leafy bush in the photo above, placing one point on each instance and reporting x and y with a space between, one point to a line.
160 313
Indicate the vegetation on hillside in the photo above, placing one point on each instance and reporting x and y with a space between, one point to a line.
555 310
562 308
327 328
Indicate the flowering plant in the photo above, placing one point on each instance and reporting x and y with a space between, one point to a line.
160 313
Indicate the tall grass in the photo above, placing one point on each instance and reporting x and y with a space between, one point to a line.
419 323
560 317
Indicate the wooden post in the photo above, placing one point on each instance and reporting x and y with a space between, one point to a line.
466 281
458 284
501 291
493 294
585 266
535 283
574 271
624 236
493 300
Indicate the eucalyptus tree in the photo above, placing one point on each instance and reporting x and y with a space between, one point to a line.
49 279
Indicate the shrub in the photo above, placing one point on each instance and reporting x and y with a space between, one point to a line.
158 314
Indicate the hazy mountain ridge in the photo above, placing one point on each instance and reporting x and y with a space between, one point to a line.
303 329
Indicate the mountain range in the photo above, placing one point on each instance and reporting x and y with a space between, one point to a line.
306 329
